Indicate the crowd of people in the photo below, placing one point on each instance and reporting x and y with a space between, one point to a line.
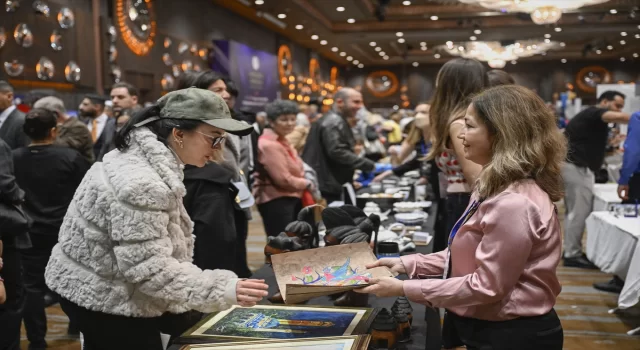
100 211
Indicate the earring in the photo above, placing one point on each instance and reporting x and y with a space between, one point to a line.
179 142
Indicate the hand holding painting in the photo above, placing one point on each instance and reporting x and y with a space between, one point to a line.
250 291
383 287
394 264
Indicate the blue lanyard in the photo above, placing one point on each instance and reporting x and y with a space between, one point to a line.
466 216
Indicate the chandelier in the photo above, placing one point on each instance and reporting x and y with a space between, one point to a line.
541 11
496 54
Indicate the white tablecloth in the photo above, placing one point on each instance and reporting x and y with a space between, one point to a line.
603 195
612 244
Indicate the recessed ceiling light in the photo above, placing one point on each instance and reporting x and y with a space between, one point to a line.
373 43
259 2
378 49
356 62
340 9
424 48
563 44
449 43
613 11
399 34
437 55
557 29
563 60
477 32
314 37
434 18
622 42
282 16
323 42
299 27
473 38
460 48
548 36
334 49
385 57
599 52
637 36
635 55
623 33
401 40
361 65
351 20
622 59
406 3
543 53
415 64
382 54
424 43
609 47
349 58
514 62
343 53
547 41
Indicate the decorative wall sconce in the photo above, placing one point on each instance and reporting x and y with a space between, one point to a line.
41 8
45 68
23 36
12 5
382 83
3 37
589 77
136 21
314 73
66 18
56 40
167 43
285 65
72 72
13 68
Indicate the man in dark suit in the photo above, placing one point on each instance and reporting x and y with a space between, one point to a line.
101 127
11 119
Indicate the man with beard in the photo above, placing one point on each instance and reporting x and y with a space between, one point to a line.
101 127
123 96
329 149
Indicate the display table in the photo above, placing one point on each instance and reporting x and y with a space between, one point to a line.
604 195
612 244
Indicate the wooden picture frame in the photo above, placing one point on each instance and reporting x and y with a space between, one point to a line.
393 83
353 342
261 322
606 77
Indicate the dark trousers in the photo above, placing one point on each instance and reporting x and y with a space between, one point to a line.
524 333
278 213
331 197
441 235
104 331
241 267
11 310
456 204
34 262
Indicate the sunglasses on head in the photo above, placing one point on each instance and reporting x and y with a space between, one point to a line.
215 140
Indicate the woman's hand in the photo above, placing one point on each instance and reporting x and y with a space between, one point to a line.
249 292
394 264
383 287
382 176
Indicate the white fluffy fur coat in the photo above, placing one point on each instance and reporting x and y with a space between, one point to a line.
126 244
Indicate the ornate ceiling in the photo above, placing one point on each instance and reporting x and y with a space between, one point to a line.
368 31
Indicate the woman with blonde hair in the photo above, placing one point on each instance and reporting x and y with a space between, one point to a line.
499 282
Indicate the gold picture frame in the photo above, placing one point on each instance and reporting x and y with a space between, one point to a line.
353 342
262 322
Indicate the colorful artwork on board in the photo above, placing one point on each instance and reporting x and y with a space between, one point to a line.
344 275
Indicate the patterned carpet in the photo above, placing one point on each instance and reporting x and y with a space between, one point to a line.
582 309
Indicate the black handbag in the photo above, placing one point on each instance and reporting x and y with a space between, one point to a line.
13 220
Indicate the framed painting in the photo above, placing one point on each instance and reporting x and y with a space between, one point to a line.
354 342
279 322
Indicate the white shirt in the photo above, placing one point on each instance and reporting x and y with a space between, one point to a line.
102 122
5 114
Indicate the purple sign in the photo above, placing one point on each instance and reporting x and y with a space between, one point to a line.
254 72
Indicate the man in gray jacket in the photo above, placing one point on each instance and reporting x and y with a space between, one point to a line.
11 119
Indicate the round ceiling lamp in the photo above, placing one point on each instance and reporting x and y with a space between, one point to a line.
495 54
541 11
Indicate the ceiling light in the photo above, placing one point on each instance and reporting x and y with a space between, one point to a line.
497 54
386 57
340 9
635 55
460 48
623 33
282 16
599 52
434 18
356 62
373 43
548 36
351 20
450 43
314 37
361 65
378 49
399 34
613 11
547 41
557 29
637 36
477 32
415 64
609 47
563 44
406 3
259 2
323 42
424 48
497 64
424 43
563 60
343 53
382 54
349 58
514 62
541 11
299 27
437 55
622 42
622 59
401 40
473 38
334 49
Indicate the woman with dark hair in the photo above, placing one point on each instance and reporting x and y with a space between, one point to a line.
49 176
279 182
499 77
123 264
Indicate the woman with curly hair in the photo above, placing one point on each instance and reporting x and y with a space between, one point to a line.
499 282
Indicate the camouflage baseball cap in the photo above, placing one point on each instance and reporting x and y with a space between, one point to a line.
202 105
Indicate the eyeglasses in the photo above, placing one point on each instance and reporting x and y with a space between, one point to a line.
215 140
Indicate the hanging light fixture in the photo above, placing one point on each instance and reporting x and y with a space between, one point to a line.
497 55
541 11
